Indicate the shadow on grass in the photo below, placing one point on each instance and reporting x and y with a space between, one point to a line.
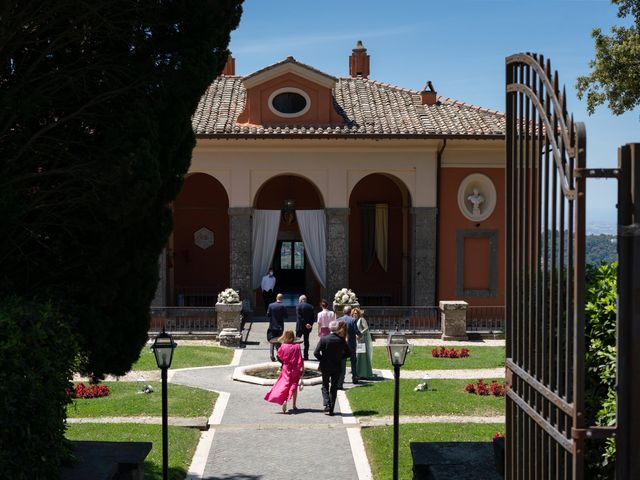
365 413
153 471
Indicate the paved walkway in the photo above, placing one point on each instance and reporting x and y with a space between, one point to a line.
252 439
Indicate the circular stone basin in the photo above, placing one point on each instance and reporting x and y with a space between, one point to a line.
267 373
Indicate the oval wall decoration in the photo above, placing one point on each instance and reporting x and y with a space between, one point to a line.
477 197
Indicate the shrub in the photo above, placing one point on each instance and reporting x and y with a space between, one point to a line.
92 391
484 389
600 399
444 352
37 355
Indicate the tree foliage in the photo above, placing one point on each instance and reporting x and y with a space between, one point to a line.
95 138
615 71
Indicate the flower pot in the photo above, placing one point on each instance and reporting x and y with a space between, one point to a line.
498 454
229 315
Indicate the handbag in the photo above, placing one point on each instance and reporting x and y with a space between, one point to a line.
361 347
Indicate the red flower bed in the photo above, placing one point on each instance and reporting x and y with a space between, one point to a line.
444 352
497 435
92 391
485 389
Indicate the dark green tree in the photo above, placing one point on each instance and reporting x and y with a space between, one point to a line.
96 100
615 71
95 137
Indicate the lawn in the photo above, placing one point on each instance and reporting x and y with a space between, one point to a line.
378 442
182 444
124 401
187 357
444 397
420 359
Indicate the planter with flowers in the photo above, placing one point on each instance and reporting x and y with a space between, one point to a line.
344 296
229 310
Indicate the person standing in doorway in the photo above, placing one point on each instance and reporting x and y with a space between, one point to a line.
304 322
277 314
268 286
330 351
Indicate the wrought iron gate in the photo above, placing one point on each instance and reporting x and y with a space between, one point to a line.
546 180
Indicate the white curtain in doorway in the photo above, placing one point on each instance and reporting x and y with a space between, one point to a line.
312 225
264 238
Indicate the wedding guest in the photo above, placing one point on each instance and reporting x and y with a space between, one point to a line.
268 285
352 340
325 317
277 313
342 333
286 387
365 359
304 322
331 350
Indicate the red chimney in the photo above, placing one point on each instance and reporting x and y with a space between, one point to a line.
359 61
230 66
428 95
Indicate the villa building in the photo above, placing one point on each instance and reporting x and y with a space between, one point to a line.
339 182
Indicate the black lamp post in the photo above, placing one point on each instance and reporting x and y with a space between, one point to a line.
163 347
397 348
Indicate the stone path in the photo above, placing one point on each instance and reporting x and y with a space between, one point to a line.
253 439
384 421
484 373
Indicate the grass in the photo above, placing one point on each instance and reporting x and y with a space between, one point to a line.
182 444
420 359
378 442
187 357
124 401
444 397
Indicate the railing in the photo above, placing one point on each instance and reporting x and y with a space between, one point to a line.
405 318
196 296
184 319
485 319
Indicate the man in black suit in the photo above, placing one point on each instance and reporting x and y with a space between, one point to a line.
277 314
305 318
330 351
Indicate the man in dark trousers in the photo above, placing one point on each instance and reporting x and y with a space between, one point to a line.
277 314
352 340
305 318
330 351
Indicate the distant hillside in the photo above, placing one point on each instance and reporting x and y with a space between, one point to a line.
601 248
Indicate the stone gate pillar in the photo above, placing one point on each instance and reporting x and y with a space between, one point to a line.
240 251
337 250
423 255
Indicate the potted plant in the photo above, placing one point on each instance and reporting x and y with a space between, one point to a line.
229 310
344 296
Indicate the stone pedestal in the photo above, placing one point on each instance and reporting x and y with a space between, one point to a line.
454 320
230 337
229 316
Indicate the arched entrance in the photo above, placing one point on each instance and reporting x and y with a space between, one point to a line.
200 261
291 262
379 240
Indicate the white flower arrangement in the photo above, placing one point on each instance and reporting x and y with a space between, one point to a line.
229 296
345 296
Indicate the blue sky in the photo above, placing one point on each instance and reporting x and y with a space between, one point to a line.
460 45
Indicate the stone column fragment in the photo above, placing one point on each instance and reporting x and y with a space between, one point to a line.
454 320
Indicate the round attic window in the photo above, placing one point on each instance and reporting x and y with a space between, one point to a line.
289 102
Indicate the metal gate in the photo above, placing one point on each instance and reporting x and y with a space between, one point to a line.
546 180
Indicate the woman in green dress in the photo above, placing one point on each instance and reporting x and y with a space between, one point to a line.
365 359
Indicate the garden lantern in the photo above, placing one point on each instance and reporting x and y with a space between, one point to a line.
163 347
397 348
163 350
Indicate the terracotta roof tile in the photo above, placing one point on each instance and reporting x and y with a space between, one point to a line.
368 107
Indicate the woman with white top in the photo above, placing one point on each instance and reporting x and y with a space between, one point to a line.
325 317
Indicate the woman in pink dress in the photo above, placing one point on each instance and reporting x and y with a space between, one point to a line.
286 387
325 317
